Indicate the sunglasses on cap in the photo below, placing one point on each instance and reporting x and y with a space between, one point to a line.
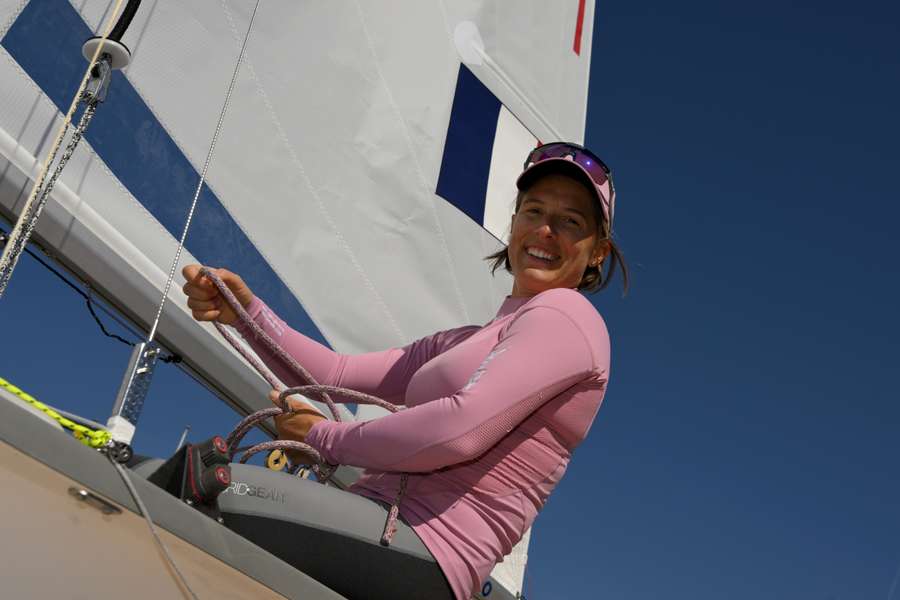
588 161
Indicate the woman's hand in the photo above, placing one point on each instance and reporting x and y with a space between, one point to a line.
296 425
204 299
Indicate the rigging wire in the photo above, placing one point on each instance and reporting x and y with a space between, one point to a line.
91 304
179 576
209 155
32 208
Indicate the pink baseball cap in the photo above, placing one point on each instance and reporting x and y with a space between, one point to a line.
577 162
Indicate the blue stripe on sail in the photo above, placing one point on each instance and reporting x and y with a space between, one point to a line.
46 41
463 180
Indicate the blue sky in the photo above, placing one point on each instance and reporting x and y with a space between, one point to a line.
749 440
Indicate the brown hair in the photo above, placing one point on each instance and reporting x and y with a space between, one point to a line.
594 278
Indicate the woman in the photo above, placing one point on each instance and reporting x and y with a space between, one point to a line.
494 411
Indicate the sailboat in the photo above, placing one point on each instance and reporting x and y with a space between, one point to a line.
364 167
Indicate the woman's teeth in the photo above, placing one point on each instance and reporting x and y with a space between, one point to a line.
535 252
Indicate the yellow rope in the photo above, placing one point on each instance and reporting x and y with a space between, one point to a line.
95 438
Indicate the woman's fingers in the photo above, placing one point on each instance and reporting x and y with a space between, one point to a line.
204 298
294 404
196 304
189 272
206 315
201 292
196 285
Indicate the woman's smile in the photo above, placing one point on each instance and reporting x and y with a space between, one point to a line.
553 236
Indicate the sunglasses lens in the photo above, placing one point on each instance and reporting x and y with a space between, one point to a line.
594 167
590 163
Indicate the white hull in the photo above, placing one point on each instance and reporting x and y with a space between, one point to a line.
57 546
114 555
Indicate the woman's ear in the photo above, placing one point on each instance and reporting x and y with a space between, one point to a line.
601 251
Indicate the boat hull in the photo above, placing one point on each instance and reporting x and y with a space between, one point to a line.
45 526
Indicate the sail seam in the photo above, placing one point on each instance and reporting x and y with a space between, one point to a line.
12 18
306 180
89 149
44 97
415 160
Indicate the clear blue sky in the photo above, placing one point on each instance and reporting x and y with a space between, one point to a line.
748 446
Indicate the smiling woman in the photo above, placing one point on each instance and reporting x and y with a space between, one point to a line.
493 412
561 232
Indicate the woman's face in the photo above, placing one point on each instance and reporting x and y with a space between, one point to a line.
554 236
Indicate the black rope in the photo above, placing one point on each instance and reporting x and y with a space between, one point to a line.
172 358
90 307
124 20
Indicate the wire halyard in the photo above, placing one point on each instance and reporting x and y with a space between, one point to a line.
135 384
209 155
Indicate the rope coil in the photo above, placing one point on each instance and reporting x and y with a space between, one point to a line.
320 467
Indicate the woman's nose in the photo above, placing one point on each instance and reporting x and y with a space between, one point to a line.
546 228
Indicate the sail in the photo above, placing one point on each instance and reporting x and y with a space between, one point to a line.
364 169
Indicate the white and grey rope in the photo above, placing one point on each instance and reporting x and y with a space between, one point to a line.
40 193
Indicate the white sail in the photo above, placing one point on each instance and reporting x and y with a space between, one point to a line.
358 134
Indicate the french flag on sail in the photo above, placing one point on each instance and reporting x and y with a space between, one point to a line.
483 155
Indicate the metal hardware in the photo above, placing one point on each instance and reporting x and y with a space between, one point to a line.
132 392
119 452
88 497
98 84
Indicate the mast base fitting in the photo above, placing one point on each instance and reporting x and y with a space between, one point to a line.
119 54
120 452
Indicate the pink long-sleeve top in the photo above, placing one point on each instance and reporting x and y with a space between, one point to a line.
493 415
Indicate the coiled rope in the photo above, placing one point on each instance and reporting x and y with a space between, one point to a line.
311 388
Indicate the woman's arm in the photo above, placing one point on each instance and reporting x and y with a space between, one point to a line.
542 353
384 374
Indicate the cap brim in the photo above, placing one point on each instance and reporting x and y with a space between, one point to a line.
562 166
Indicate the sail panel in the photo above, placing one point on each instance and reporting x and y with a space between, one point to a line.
330 156
327 170
137 149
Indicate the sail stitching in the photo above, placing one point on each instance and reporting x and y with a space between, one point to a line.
200 184
12 18
127 195
43 97
306 180
41 188
446 19
415 160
